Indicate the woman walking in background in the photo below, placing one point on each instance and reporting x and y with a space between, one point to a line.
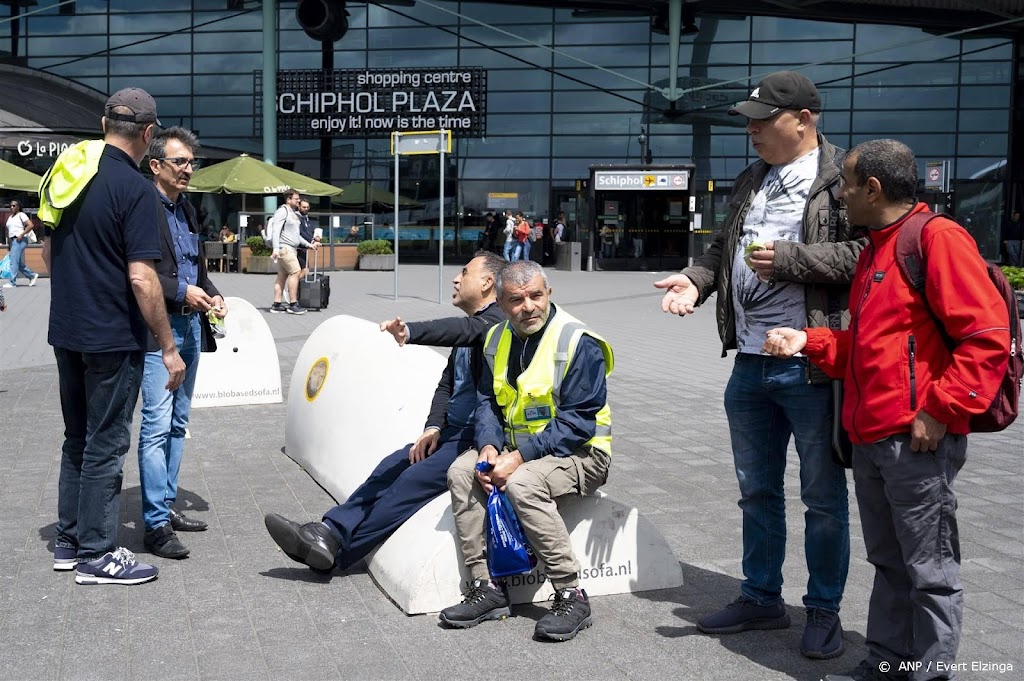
19 234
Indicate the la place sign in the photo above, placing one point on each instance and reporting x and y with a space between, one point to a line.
376 102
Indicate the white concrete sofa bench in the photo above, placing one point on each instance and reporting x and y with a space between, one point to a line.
355 397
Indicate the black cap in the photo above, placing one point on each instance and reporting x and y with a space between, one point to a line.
782 90
140 102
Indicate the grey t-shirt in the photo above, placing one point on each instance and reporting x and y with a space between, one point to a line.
776 214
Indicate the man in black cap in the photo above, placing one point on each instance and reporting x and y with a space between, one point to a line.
105 302
784 252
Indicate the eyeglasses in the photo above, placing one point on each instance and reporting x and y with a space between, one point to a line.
181 161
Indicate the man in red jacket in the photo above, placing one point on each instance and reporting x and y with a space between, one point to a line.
907 405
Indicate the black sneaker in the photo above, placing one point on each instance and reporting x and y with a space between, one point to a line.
295 308
482 603
823 635
744 614
312 544
163 541
569 614
278 307
117 567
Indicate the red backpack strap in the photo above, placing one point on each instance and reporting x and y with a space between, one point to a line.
910 255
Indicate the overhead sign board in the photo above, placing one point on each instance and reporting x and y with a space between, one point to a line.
503 200
652 180
318 103
426 142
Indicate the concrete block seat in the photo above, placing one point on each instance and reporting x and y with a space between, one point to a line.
245 368
356 397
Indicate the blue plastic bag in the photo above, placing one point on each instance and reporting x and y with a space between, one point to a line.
5 267
508 552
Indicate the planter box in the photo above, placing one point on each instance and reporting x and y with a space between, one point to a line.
377 262
260 264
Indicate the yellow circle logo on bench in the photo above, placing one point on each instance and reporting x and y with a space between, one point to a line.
316 377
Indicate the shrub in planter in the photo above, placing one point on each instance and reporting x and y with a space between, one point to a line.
257 246
374 247
1014 275
376 254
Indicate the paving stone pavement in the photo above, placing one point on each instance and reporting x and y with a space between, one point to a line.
237 608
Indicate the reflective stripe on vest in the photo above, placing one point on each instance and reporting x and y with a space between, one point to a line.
539 384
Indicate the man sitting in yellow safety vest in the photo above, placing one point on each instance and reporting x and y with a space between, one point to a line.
544 425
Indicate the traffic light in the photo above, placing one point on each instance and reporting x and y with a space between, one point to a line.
323 20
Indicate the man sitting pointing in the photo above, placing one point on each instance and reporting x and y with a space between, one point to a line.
544 424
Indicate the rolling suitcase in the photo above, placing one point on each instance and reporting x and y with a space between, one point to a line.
315 287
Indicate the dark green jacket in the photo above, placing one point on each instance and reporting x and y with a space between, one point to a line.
823 263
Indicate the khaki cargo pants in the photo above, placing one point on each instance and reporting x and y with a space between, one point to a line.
532 490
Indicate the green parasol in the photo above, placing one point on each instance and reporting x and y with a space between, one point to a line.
18 179
248 175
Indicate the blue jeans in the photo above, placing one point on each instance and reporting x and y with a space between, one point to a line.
766 401
18 265
509 250
525 254
98 392
164 419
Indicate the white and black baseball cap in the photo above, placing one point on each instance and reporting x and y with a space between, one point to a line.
779 91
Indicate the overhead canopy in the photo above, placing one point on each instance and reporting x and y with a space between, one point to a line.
247 175
924 14
18 179
357 195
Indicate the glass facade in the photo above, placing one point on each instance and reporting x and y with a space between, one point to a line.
555 110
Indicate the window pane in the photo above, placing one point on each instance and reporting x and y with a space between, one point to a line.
981 120
890 122
617 33
76 25
908 97
777 28
799 52
992 96
391 58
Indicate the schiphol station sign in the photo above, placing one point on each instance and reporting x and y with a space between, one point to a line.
375 102
649 180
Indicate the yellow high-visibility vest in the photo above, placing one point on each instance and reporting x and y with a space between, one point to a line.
530 405
67 178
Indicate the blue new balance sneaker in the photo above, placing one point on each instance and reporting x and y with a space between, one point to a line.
119 567
64 558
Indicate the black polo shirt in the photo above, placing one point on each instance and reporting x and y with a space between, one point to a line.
113 222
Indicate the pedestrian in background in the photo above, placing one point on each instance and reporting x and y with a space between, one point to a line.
20 233
286 239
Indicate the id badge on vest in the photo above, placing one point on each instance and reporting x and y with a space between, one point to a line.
534 411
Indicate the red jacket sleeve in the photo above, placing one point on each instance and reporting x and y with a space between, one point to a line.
829 350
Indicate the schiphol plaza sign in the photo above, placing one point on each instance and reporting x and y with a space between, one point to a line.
376 102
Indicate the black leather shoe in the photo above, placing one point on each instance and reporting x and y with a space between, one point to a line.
311 544
182 524
163 542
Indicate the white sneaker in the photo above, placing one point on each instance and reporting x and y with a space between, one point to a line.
10 285
32 281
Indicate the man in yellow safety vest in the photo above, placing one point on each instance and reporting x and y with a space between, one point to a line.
544 427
